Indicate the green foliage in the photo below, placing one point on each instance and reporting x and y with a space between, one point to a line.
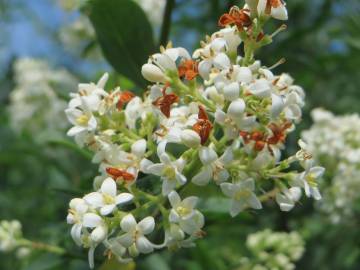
125 35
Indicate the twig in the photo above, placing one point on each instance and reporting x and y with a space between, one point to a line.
166 24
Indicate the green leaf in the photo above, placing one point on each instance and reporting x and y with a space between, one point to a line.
125 35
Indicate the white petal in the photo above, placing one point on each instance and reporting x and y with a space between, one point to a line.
109 187
205 68
180 178
203 177
237 108
147 225
220 116
231 91
174 199
295 193
207 155
261 7
317 171
244 75
279 13
128 223
104 78
165 158
236 207
144 245
222 176
161 148
107 209
190 138
138 148
76 233
190 202
222 61
156 169
261 88
168 186
228 155
145 164
248 184
75 130
315 193
126 240
254 202
152 73
123 198
91 220
174 216
95 199
277 105
164 61
98 234
284 202
228 189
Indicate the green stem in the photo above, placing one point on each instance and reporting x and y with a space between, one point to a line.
43 247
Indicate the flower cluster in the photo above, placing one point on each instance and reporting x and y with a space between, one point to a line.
213 119
10 234
35 103
273 250
335 144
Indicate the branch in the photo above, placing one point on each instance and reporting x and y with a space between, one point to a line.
166 24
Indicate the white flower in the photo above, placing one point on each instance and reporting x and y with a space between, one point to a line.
83 121
189 219
107 199
288 198
234 119
242 196
231 36
119 159
278 9
260 88
160 63
213 166
78 208
134 237
308 179
168 170
10 234
98 234
89 94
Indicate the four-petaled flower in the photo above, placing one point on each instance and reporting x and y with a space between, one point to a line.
134 238
183 213
242 195
106 198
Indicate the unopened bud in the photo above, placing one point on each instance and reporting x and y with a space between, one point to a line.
152 73
190 138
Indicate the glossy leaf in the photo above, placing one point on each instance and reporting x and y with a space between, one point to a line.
125 35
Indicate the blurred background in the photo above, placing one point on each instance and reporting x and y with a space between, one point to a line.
48 46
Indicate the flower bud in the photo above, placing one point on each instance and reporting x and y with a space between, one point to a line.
231 91
99 234
190 138
152 73
237 107
244 75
